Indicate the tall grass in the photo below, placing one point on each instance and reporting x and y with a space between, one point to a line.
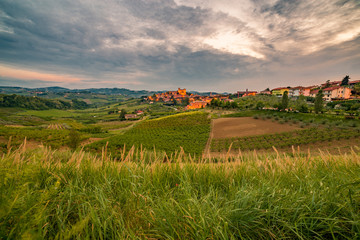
73 195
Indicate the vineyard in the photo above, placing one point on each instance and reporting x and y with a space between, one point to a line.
187 130
281 140
57 126
50 137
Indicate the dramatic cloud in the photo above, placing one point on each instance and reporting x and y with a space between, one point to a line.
212 45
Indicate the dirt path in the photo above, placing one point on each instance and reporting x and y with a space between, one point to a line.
211 136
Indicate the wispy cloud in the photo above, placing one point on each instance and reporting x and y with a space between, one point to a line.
205 45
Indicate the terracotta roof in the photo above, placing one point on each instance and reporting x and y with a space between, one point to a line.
355 81
314 91
298 87
332 88
310 87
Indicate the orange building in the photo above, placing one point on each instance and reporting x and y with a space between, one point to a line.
181 91
196 105
337 92
246 93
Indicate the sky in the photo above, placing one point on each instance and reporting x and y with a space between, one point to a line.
202 45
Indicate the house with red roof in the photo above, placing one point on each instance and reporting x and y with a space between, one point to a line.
305 91
313 93
336 92
352 83
295 91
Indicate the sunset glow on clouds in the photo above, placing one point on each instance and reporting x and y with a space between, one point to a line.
9 72
164 44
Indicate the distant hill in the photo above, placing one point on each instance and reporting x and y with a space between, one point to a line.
104 91
38 103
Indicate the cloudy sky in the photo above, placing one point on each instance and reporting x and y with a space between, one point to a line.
204 45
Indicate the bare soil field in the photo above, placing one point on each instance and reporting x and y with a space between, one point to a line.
246 126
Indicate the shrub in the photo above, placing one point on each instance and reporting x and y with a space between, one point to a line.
74 139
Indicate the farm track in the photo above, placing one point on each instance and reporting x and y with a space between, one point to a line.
208 143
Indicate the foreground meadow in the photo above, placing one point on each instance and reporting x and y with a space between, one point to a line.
46 194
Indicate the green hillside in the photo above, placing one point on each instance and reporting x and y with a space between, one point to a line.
187 130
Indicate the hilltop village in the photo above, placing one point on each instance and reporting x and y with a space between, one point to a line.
332 91
192 101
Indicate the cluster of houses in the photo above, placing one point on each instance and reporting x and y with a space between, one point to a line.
332 91
134 116
193 101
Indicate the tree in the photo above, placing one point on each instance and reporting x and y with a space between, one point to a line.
301 104
356 89
186 101
215 103
260 105
74 139
234 105
78 104
345 81
227 105
122 114
327 84
303 108
284 101
319 101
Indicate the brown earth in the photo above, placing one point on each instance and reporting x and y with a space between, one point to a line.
90 140
246 126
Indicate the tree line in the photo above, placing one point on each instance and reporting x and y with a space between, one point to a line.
37 103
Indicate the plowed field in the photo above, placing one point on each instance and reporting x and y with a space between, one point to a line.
246 126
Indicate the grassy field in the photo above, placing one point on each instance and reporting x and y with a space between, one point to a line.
48 194
187 130
53 113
